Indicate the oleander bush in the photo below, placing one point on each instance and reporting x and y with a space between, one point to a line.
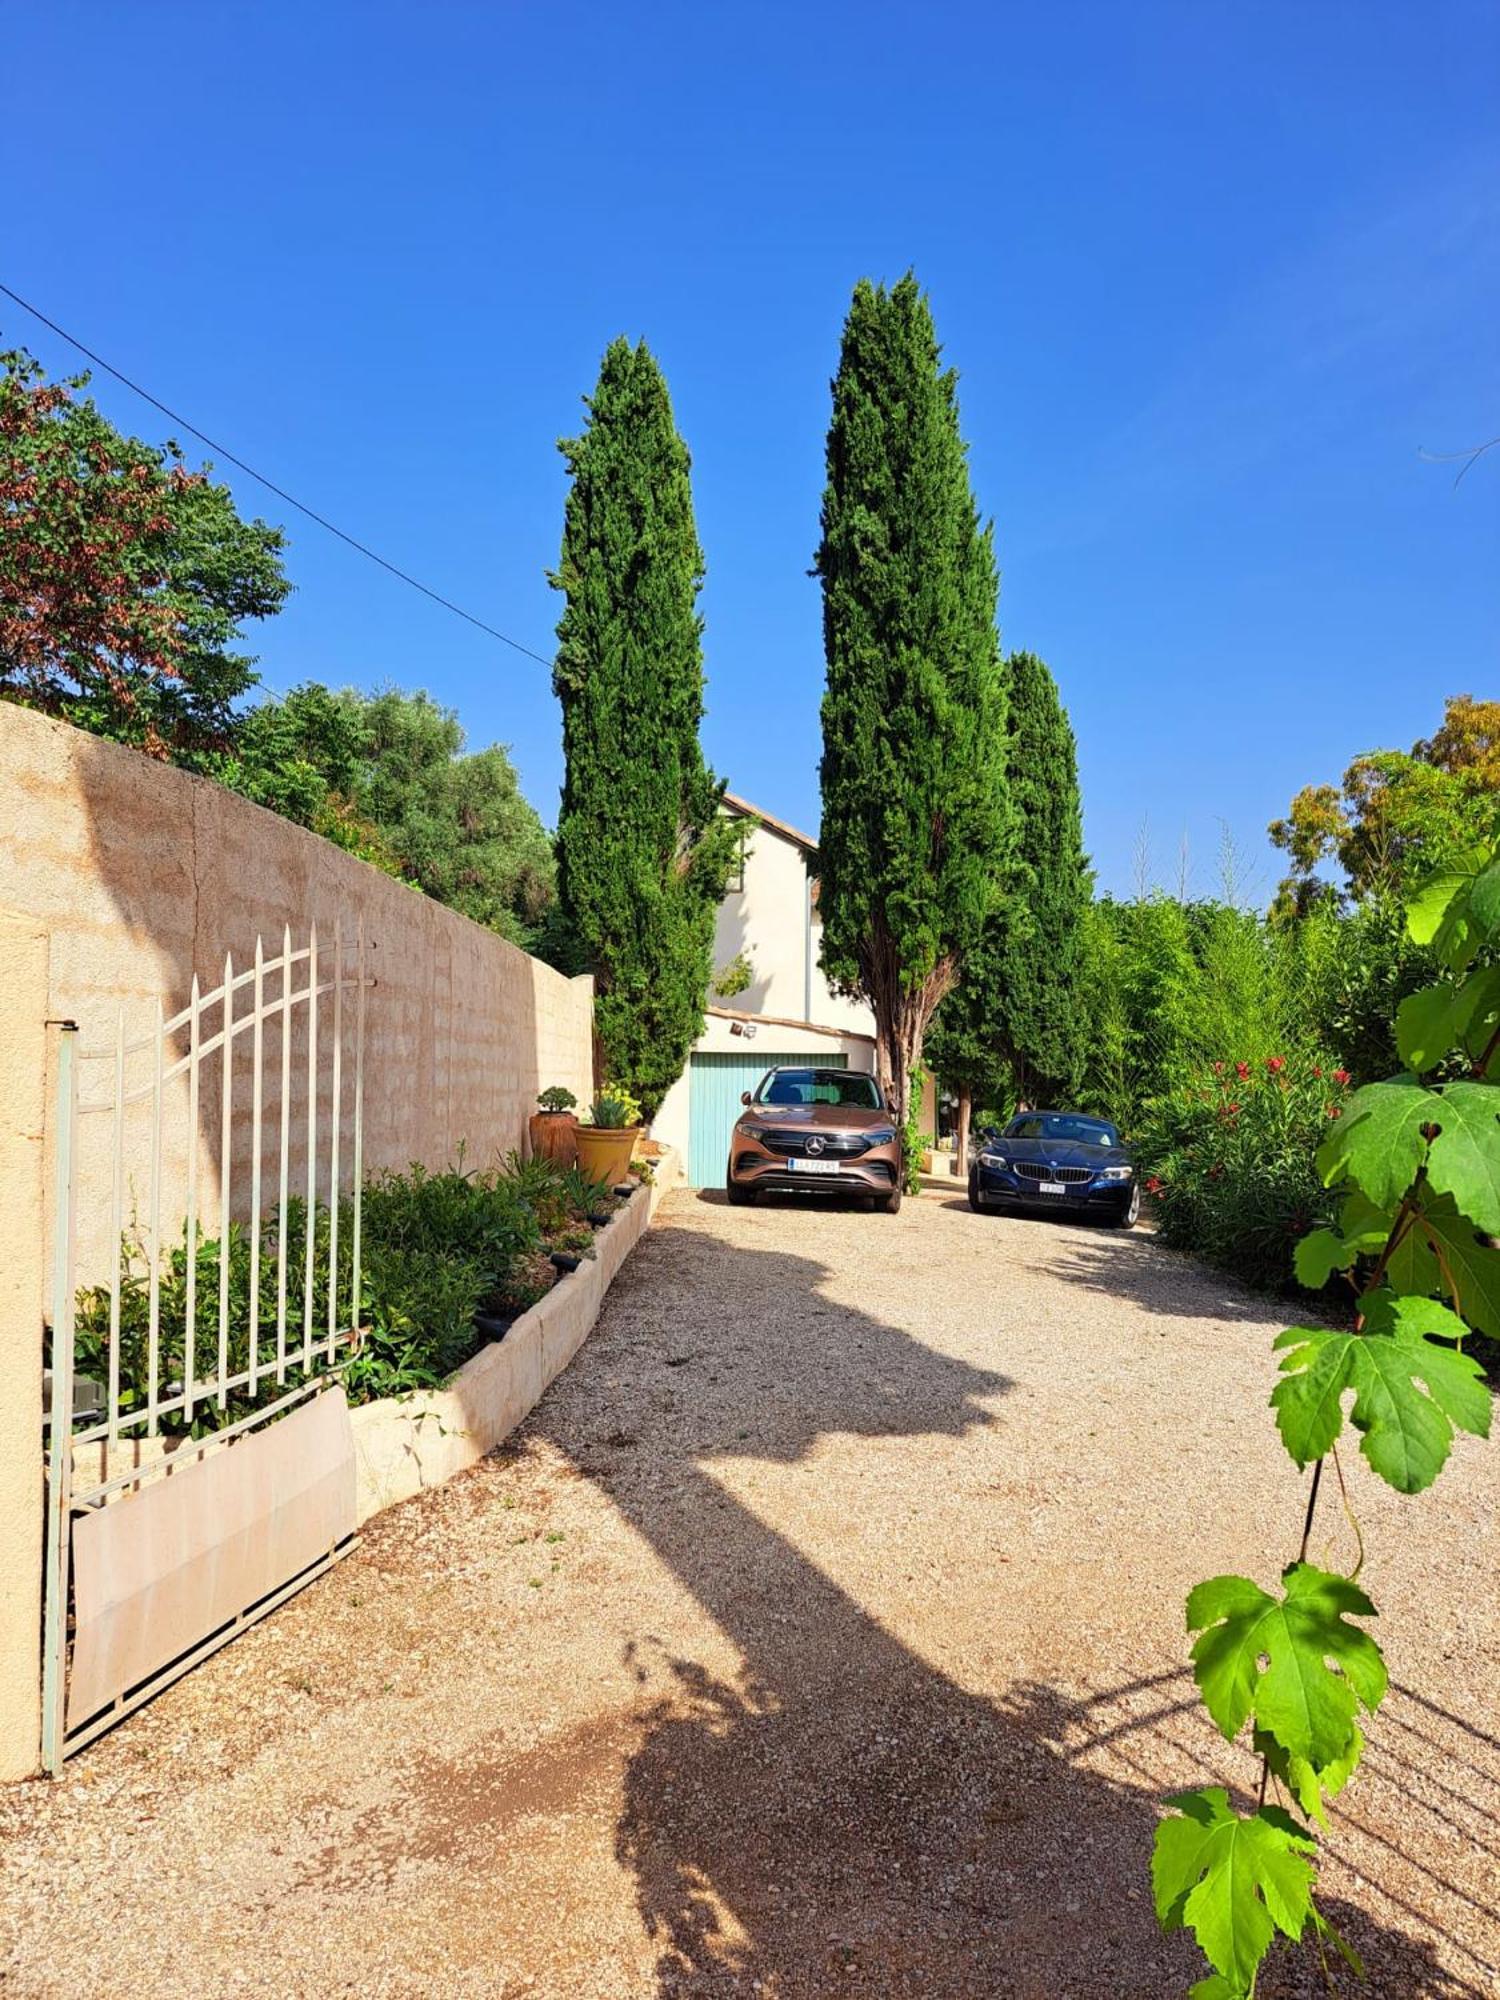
1228 1159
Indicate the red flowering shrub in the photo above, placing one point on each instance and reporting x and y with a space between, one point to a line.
1232 1177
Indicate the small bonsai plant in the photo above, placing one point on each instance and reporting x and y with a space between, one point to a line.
556 1097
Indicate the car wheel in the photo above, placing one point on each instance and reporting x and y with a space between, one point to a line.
974 1192
737 1196
1130 1214
891 1204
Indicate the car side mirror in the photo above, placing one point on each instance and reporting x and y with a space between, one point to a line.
745 1097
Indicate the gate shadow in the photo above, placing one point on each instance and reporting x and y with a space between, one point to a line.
841 1816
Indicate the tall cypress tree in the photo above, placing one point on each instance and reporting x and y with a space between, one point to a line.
642 849
1015 1018
916 827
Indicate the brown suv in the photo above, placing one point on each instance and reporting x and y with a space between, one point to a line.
828 1129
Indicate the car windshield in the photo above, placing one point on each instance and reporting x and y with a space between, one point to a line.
845 1087
1063 1126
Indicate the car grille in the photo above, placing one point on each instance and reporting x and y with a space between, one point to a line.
1071 1175
835 1146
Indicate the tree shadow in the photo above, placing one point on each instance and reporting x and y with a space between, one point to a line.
1141 1271
839 1815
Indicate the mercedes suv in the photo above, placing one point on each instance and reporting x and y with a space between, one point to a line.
829 1129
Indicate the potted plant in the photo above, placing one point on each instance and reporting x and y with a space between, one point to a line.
607 1141
553 1127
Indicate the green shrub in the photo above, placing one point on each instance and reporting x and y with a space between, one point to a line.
435 1249
559 1197
1228 1156
92 1315
914 1140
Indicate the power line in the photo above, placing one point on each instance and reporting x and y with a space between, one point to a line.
221 451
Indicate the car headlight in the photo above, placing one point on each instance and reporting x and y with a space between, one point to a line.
754 1131
1116 1173
993 1160
882 1135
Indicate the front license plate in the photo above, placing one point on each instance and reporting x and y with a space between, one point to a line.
1052 1187
813 1166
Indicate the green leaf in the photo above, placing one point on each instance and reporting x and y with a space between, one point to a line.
1464 1158
1439 1019
1307 1785
1439 913
1298 1697
1378 1143
1484 901
1232 1882
1466 1258
1407 1429
1319 1254
1362 1231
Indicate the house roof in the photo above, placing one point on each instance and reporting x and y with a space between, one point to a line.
747 811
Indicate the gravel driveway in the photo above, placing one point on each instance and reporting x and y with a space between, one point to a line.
820 1634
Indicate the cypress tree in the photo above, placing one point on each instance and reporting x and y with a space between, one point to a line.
642 849
1014 1021
916 828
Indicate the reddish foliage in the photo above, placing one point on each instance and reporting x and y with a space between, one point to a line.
84 521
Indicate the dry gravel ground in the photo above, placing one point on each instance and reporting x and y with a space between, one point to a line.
820 1634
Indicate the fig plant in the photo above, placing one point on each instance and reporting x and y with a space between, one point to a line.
1415 1166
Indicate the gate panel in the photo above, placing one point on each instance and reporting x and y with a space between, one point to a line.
164 1568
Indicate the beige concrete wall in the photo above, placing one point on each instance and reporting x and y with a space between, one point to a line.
141 876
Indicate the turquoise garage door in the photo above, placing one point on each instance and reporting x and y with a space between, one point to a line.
715 1084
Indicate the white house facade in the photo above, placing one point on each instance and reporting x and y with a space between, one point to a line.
784 1011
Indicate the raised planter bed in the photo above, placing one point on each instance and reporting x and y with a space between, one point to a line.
402 1445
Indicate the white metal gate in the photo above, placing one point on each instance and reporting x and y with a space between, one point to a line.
273 1058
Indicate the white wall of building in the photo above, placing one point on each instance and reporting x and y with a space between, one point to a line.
770 919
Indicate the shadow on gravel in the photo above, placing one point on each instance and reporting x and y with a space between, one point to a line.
1147 1274
843 1818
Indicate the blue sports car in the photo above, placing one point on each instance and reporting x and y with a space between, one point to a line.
1059 1161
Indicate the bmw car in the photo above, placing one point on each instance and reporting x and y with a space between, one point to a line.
828 1129
1057 1162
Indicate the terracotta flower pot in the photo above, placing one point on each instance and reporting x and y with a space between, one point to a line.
604 1151
554 1137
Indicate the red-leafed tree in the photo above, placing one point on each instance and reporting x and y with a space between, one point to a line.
124 577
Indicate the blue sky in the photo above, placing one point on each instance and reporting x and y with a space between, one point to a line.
1212 278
